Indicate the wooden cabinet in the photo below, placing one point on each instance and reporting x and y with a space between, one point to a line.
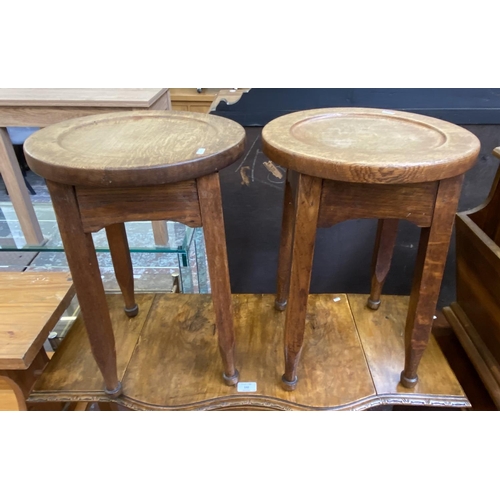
204 101
191 100
475 316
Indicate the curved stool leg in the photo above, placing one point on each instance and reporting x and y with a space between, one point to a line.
285 255
215 241
305 223
387 230
22 381
431 259
122 263
82 260
20 390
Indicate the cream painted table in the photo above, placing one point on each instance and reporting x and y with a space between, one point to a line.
42 107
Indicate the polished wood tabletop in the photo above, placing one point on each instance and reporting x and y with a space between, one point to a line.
109 97
139 148
370 145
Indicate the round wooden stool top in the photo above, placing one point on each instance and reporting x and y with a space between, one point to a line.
137 148
369 145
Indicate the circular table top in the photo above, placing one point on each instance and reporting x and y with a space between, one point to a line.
369 145
136 148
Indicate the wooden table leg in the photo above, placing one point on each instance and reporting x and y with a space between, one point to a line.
122 263
305 223
429 268
22 381
14 182
160 233
82 260
215 242
387 232
285 255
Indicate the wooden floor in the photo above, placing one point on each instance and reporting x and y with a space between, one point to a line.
168 357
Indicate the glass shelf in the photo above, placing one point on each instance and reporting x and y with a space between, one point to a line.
184 256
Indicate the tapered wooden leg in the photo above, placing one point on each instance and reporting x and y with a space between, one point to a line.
285 256
82 260
431 259
387 231
19 196
215 241
305 222
122 263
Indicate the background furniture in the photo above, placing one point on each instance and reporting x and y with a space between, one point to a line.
104 171
42 107
30 306
475 316
204 100
349 163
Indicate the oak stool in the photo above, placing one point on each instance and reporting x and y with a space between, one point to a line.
105 170
351 163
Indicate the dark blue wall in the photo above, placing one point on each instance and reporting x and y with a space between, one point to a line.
461 106
343 253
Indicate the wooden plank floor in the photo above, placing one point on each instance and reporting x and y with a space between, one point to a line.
168 357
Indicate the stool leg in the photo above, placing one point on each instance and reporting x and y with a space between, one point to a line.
215 241
387 231
429 268
82 260
305 223
122 263
285 256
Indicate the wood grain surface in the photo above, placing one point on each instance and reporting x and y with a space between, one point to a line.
30 306
82 374
342 201
286 238
431 258
485 216
307 203
485 363
368 145
176 365
382 335
82 260
387 231
137 148
475 316
215 242
116 235
478 281
100 207
80 97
